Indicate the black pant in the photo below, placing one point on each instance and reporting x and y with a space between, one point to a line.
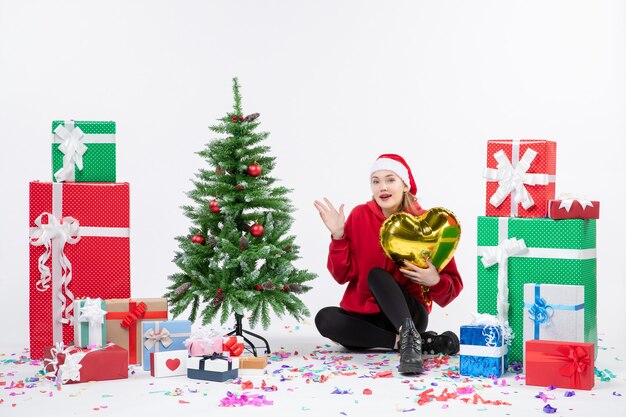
357 331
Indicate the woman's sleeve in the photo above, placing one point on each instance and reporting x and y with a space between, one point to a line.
449 287
342 263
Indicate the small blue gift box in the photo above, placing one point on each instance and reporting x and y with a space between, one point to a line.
215 367
163 336
483 352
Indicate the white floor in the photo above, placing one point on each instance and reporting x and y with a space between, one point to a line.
312 377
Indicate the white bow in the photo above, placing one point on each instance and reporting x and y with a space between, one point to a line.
64 231
500 254
512 180
72 148
567 199
92 313
70 370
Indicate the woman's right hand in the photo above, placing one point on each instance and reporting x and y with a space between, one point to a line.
333 219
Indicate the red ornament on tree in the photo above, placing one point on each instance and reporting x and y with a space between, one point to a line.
239 187
254 170
214 206
285 288
258 287
256 230
198 239
235 119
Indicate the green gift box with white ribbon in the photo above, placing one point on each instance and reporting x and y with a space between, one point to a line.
83 151
90 322
517 251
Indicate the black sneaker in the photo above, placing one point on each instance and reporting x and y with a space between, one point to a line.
410 346
434 344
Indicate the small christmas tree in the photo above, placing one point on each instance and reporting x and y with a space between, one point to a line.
238 255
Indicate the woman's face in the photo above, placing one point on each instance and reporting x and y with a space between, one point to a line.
388 190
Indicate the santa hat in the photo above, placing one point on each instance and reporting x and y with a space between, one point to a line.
397 164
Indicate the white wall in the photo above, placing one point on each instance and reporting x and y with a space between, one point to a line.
337 84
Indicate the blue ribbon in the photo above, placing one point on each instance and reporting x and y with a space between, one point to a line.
541 312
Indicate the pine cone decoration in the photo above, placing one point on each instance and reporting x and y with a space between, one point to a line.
287 247
218 299
243 243
211 241
268 286
251 117
297 288
182 288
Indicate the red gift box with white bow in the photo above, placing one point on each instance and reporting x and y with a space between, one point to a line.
560 364
79 247
570 206
73 364
520 177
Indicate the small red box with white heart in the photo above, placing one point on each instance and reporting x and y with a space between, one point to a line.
172 363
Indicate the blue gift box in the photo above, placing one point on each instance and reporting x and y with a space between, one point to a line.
163 336
483 352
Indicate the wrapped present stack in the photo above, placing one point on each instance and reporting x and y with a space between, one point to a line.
79 237
536 254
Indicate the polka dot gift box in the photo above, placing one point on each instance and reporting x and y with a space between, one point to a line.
83 151
558 252
79 248
520 177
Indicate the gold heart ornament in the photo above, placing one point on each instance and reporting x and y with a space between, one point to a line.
434 234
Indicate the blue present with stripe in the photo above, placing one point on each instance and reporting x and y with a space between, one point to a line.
554 312
163 336
483 351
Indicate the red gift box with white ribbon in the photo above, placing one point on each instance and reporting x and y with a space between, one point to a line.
520 177
560 364
79 247
572 206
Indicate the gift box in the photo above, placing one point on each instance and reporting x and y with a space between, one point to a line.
125 318
520 177
90 322
83 151
554 312
168 363
560 364
218 368
573 207
252 365
163 336
483 351
233 345
200 346
514 251
73 364
79 247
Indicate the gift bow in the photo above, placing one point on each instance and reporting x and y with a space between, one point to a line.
567 199
541 312
92 312
152 338
72 148
500 254
70 369
65 231
133 316
233 347
512 180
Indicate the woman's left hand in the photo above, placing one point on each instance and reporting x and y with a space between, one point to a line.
421 276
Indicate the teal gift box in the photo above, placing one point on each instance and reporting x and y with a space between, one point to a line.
83 151
556 252
163 336
90 323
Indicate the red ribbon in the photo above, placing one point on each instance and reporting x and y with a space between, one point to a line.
233 346
137 312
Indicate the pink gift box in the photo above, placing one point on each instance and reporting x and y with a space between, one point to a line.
205 346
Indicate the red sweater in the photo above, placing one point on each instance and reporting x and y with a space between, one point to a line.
351 258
